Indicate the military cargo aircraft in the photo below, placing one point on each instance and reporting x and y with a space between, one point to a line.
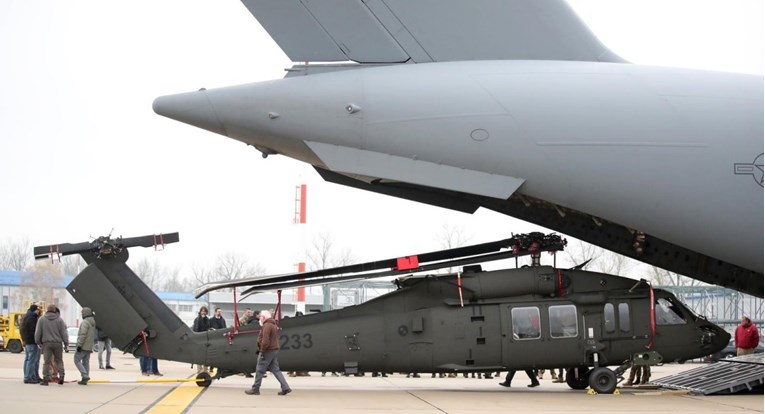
514 106
472 320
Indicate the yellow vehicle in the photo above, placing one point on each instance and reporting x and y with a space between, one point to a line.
9 330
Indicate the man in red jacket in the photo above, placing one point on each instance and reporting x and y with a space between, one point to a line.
268 343
747 337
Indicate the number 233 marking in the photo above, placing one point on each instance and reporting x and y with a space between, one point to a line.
295 341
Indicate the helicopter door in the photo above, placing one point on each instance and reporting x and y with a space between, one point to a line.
564 335
521 335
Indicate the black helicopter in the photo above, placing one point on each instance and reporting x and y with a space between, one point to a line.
533 317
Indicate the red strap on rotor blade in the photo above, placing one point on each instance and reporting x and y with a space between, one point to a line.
459 288
653 317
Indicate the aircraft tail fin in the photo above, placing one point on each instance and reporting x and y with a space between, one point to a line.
131 314
397 31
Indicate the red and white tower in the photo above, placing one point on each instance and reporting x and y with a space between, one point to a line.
301 192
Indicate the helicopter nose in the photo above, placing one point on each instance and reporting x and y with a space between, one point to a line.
716 338
193 108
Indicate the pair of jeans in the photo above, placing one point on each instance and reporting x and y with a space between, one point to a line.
148 364
31 362
105 345
82 362
267 362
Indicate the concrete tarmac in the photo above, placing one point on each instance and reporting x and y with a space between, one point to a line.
337 395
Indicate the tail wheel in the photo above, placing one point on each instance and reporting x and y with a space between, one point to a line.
576 378
15 346
204 379
603 381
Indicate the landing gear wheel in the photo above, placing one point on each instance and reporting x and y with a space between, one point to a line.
15 346
603 381
204 379
576 378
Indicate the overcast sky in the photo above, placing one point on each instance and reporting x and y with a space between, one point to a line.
82 152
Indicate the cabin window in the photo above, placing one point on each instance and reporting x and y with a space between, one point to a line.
624 317
667 313
609 318
526 323
563 321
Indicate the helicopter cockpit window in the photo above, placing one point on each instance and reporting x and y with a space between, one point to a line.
526 323
609 318
563 321
667 313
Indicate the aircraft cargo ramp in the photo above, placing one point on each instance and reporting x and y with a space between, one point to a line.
727 376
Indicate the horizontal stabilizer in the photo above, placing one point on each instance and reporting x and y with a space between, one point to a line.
419 31
518 245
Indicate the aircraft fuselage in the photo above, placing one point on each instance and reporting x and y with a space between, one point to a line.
673 154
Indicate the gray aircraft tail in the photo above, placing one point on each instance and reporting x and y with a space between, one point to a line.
132 315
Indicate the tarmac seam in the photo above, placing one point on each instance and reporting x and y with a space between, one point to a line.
105 403
426 402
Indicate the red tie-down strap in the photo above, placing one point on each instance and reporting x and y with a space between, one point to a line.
145 343
161 239
560 284
459 288
653 316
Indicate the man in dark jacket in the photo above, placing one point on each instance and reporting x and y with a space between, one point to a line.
50 334
268 343
31 351
217 321
201 324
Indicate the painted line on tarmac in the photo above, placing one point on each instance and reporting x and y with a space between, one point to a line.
178 400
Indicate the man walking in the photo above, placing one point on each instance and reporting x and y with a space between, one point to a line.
50 334
268 343
747 337
31 350
86 337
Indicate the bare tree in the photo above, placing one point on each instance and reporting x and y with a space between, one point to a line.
172 281
600 260
16 254
150 271
452 237
321 255
72 265
662 277
41 284
231 266
579 252
228 266
202 274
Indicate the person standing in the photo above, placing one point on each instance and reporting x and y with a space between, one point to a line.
31 350
268 343
747 337
217 321
529 373
201 324
50 334
104 344
86 338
